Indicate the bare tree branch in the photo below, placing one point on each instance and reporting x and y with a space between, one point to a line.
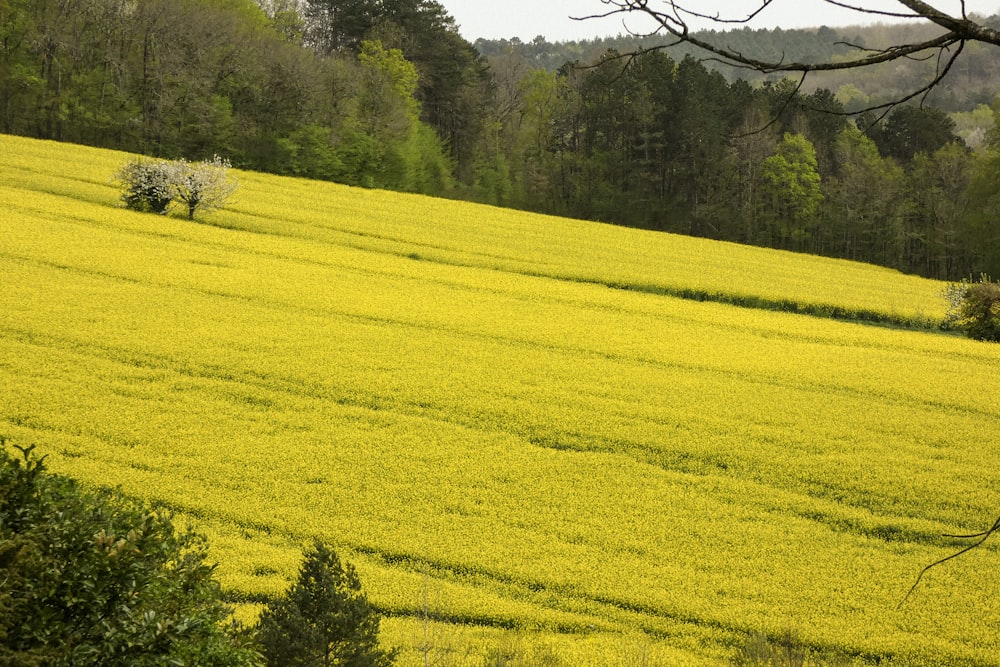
921 92
672 18
876 12
983 536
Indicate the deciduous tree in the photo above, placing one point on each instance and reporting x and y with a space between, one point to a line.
793 183
204 185
146 185
975 308
939 186
89 578
866 202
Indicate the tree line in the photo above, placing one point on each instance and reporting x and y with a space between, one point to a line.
389 95
651 142
320 89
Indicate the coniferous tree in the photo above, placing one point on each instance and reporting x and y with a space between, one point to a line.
324 619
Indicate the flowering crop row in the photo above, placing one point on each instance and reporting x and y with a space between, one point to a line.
451 395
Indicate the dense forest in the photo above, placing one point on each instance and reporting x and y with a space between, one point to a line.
389 95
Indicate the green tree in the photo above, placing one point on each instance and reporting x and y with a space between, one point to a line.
865 197
939 245
332 26
403 152
453 87
793 182
307 151
701 168
389 103
20 83
89 578
984 195
910 130
323 620
538 103
749 148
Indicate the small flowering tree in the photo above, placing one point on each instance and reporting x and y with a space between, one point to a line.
201 185
151 185
147 185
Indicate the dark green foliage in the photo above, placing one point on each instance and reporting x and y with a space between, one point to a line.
975 308
91 579
308 152
336 25
323 620
910 130
453 88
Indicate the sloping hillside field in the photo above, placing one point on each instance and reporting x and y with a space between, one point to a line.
510 423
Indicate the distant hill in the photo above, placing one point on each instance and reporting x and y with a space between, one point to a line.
976 80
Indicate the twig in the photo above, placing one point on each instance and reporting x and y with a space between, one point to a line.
983 536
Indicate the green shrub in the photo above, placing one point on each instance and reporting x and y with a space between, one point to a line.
975 308
89 578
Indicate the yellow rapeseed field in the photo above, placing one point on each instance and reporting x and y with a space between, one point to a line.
509 422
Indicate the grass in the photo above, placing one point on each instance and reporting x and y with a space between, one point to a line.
452 396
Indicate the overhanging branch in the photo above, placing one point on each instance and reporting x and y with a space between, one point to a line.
672 17
983 536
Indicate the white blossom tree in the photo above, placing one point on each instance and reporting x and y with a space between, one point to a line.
151 185
201 185
146 185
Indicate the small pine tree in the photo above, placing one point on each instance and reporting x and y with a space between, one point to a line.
323 620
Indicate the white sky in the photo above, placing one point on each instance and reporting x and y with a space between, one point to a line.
494 19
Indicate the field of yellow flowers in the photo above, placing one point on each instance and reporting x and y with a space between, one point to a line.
512 425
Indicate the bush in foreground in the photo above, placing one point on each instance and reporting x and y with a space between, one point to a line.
88 578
